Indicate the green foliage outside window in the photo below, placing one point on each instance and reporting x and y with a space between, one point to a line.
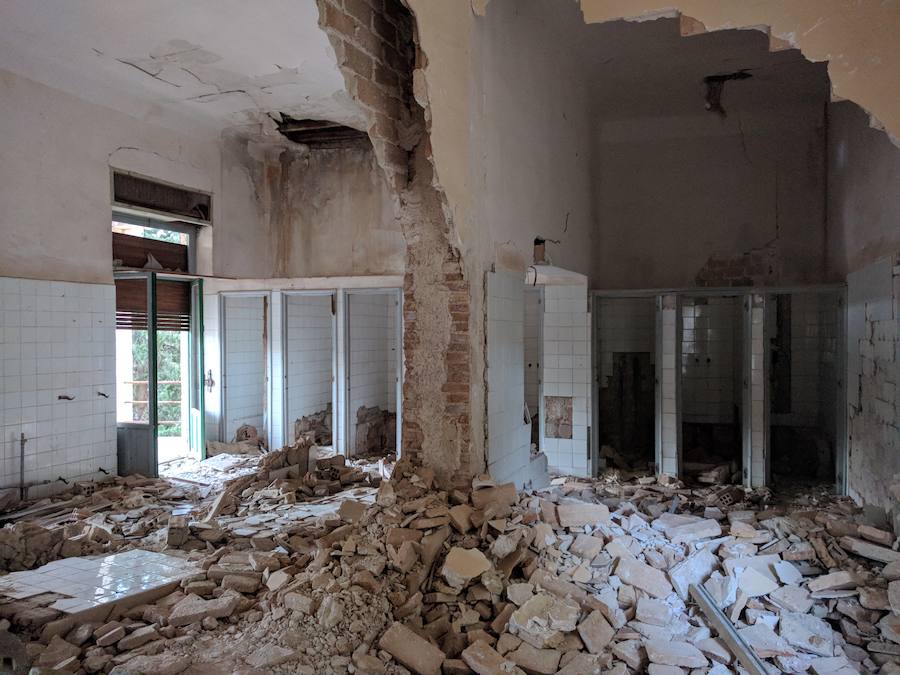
168 359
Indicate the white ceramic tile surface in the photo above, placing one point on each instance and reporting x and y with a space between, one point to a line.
309 353
90 582
567 372
373 354
711 359
245 364
57 339
508 435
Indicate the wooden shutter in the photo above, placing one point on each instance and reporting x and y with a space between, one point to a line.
132 251
173 304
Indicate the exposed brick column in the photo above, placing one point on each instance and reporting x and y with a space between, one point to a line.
373 40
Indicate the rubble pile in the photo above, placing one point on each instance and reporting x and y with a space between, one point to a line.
121 512
376 430
583 577
315 428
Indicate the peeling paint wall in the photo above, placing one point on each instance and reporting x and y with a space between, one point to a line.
863 194
339 217
318 212
531 128
705 201
859 39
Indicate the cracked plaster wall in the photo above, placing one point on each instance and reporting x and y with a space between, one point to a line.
859 39
863 194
55 201
701 201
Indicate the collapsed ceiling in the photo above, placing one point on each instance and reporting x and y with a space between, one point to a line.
207 64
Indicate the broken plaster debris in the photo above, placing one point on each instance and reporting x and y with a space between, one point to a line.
303 566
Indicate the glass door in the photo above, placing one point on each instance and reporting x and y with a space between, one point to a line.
136 377
159 369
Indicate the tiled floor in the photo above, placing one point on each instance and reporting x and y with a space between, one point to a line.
90 582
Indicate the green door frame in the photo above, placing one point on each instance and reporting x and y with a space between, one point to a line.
197 427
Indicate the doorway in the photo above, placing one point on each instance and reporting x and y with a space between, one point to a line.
373 366
246 325
804 342
625 332
310 361
712 386
159 397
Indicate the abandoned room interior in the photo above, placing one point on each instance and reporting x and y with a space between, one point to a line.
450 336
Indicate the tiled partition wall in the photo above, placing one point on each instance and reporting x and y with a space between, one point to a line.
508 448
669 402
711 358
567 373
624 325
57 339
532 343
373 354
309 351
756 412
246 356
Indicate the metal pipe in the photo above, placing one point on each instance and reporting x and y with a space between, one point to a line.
741 650
22 488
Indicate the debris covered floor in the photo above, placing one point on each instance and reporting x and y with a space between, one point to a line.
320 566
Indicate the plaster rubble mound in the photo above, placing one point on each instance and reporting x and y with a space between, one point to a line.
583 576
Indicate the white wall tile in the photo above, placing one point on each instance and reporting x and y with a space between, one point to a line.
56 339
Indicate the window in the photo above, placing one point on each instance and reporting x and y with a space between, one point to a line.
147 243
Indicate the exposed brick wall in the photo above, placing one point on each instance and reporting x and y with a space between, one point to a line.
373 40
374 43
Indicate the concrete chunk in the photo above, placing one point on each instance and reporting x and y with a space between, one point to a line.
654 612
648 579
765 642
533 660
595 632
580 514
675 654
412 650
464 564
832 582
807 632
485 660
703 529
695 569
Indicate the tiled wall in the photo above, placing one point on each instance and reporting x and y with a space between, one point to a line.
711 362
508 449
532 344
246 356
625 325
373 355
567 372
758 414
309 355
57 339
813 351
670 387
